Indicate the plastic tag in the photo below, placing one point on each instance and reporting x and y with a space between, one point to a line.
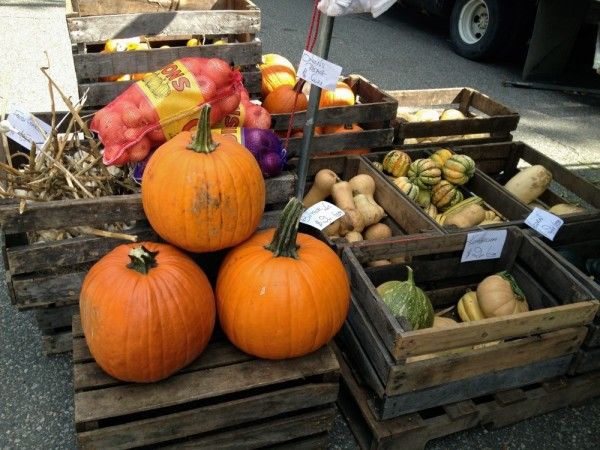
319 71
27 128
482 245
321 214
544 222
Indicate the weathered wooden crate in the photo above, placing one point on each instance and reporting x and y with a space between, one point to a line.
373 111
408 370
414 430
224 399
403 217
484 116
494 196
161 23
47 276
572 245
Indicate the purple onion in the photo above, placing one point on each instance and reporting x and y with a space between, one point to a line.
267 148
138 168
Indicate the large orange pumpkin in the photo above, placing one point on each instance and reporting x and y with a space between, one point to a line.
341 96
283 99
203 193
282 294
147 310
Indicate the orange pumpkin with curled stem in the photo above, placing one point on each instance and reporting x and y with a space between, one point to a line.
281 293
283 99
147 310
341 96
205 192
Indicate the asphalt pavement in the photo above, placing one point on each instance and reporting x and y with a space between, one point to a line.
399 50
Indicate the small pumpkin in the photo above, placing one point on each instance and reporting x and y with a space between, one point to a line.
147 310
425 173
499 295
281 293
342 95
283 98
458 169
396 163
345 128
406 299
408 187
445 194
203 193
276 75
441 156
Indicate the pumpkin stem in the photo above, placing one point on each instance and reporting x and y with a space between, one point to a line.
142 259
284 240
513 285
410 278
203 142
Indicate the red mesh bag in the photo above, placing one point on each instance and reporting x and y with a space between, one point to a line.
162 104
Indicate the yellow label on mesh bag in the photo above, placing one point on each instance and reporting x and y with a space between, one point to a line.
233 133
175 94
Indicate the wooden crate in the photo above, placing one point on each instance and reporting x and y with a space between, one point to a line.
404 368
403 217
47 276
581 239
92 23
413 431
373 111
224 399
495 197
485 116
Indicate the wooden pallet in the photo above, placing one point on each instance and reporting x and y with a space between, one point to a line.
373 112
224 399
403 366
92 23
484 115
502 408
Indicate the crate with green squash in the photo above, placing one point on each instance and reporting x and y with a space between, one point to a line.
116 43
534 179
576 246
435 330
452 115
61 211
354 118
448 188
373 209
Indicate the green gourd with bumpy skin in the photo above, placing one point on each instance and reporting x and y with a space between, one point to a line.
406 299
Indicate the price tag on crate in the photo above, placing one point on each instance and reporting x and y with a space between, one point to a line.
24 128
544 222
319 71
482 245
321 214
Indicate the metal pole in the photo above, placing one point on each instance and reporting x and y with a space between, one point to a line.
313 107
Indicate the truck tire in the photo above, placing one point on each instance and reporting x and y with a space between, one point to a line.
482 29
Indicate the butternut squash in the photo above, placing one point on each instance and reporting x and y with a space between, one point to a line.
377 231
529 183
467 217
321 188
372 213
354 236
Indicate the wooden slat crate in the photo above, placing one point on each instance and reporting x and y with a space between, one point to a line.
92 23
406 368
413 431
494 196
574 243
373 111
402 216
484 116
224 399
47 276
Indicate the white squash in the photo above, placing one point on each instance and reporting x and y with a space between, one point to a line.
529 183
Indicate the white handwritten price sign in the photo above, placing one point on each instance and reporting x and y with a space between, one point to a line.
26 128
545 223
319 71
482 245
321 214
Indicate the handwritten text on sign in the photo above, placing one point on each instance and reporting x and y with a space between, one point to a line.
545 223
321 214
28 128
319 71
484 245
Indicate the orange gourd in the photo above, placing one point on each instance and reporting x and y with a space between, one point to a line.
205 192
282 99
282 294
147 310
341 96
348 128
273 59
274 76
